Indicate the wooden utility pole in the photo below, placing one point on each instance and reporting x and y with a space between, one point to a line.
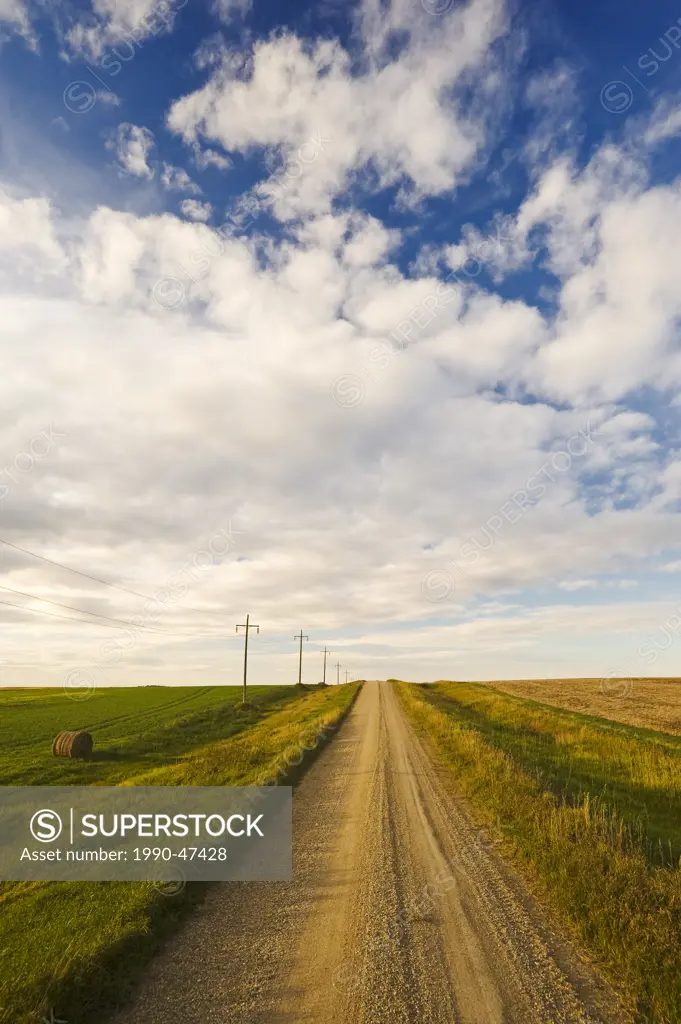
338 673
247 626
324 652
300 636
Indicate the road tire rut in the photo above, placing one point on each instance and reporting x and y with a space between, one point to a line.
400 912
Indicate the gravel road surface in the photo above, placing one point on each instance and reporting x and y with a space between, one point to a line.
400 912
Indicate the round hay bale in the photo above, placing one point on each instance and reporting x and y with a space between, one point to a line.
72 744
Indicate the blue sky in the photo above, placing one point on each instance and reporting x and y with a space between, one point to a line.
389 291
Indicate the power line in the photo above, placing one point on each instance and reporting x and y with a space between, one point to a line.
108 618
94 579
55 615
65 618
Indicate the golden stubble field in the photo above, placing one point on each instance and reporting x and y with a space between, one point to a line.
646 703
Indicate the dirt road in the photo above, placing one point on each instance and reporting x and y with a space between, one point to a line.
399 912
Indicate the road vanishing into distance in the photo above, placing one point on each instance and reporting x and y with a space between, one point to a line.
400 911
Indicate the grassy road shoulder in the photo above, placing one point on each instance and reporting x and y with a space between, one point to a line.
77 948
527 770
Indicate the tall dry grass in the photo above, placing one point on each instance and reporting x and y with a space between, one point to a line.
596 868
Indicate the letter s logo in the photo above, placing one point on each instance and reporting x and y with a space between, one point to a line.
46 826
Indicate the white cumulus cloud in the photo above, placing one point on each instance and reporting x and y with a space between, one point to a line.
133 146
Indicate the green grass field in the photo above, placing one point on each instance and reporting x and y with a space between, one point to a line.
591 808
134 729
77 948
